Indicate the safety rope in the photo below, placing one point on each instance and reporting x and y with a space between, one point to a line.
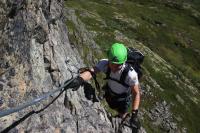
7 112
34 101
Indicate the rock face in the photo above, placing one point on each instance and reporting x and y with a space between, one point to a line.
84 40
36 57
160 115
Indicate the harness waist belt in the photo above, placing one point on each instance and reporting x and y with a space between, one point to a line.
123 95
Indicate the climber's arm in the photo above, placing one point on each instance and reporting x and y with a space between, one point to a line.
136 97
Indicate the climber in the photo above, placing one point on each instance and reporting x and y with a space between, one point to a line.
122 87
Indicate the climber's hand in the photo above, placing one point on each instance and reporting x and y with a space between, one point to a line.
134 121
76 83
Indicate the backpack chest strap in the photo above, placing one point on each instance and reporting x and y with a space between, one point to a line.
119 81
115 95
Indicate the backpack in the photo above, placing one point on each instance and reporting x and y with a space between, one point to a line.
134 61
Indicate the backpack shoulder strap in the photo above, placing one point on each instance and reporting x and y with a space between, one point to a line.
125 73
108 73
122 77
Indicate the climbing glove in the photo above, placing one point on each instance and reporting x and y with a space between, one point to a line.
134 121
76 83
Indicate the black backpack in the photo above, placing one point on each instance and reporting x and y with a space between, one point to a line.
134 61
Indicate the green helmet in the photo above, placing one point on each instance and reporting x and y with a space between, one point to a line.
117 53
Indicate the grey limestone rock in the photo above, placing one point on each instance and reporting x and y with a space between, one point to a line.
37 58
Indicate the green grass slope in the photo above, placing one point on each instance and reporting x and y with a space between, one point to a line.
168 33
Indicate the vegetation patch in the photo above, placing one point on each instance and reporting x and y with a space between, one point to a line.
170 29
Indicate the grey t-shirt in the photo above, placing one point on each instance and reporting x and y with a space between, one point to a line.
131 79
